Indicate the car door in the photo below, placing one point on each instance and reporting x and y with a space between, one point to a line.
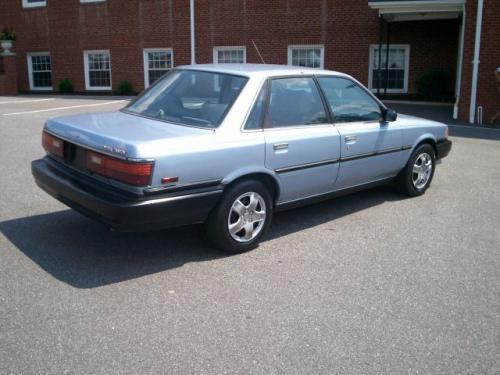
302 146
369 146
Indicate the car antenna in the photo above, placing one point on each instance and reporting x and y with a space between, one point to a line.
261 58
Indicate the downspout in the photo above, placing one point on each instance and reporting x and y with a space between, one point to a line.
387 47
379 72
191 13
458 85
475 62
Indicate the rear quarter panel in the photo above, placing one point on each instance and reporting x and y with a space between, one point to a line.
209 157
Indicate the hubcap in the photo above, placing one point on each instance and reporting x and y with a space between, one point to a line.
422 170
247 217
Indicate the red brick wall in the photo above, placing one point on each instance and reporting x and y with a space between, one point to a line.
468 56
8 75
345 27
488 95
66 28
274 25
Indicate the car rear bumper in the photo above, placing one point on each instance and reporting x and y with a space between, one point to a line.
119 210
443 148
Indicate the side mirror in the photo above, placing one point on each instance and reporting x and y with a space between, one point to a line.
390 115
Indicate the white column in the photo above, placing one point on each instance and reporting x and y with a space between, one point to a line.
475 62
193 49
458 82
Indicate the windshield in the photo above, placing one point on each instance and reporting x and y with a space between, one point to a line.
190 97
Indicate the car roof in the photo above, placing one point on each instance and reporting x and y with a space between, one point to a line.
260 69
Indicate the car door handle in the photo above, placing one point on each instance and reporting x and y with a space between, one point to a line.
350 139
280 146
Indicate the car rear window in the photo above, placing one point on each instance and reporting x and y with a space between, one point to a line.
190 97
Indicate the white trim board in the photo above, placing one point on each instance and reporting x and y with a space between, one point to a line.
424 6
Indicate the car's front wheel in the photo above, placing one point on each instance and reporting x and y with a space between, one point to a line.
417 175
241 218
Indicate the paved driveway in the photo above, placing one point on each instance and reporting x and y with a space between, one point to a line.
371 283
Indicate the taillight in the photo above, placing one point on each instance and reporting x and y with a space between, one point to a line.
53 145
138 174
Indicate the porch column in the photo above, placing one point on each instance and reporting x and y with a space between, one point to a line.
460 58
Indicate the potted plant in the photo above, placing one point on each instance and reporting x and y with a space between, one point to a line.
7 36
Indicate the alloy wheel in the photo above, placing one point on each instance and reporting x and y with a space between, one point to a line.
422 170
247 217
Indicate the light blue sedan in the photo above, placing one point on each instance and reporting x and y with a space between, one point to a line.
228 145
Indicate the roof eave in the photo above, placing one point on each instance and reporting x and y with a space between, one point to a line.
423 6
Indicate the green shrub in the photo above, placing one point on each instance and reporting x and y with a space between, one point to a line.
66 86
125 87
434 85
8 34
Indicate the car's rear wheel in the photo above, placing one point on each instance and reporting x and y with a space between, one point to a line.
417 175
241 218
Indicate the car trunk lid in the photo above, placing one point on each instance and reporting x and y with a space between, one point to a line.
116 133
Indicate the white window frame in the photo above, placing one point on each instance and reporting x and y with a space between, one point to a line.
91 1
321 47
30 71
404 90
146 61
87 75
229 48
38 4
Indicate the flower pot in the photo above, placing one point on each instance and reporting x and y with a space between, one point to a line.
6 45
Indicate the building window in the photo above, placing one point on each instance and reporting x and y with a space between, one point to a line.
97 70
157 62
92 1
230 55
40 71
34 3
396 77
308 56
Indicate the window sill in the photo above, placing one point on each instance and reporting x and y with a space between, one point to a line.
98 88
41 89
390 91
35 6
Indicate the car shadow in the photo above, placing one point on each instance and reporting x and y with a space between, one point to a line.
85 254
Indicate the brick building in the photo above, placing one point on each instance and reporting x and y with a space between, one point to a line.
99 43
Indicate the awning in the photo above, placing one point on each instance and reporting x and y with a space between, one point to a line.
414 10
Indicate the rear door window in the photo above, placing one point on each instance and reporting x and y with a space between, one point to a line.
295 101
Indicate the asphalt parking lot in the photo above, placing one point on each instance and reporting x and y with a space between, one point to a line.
371 283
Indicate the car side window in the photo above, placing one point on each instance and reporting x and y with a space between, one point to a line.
348 101
254 120
295 101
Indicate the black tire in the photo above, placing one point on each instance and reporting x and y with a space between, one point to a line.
405 181
217 228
